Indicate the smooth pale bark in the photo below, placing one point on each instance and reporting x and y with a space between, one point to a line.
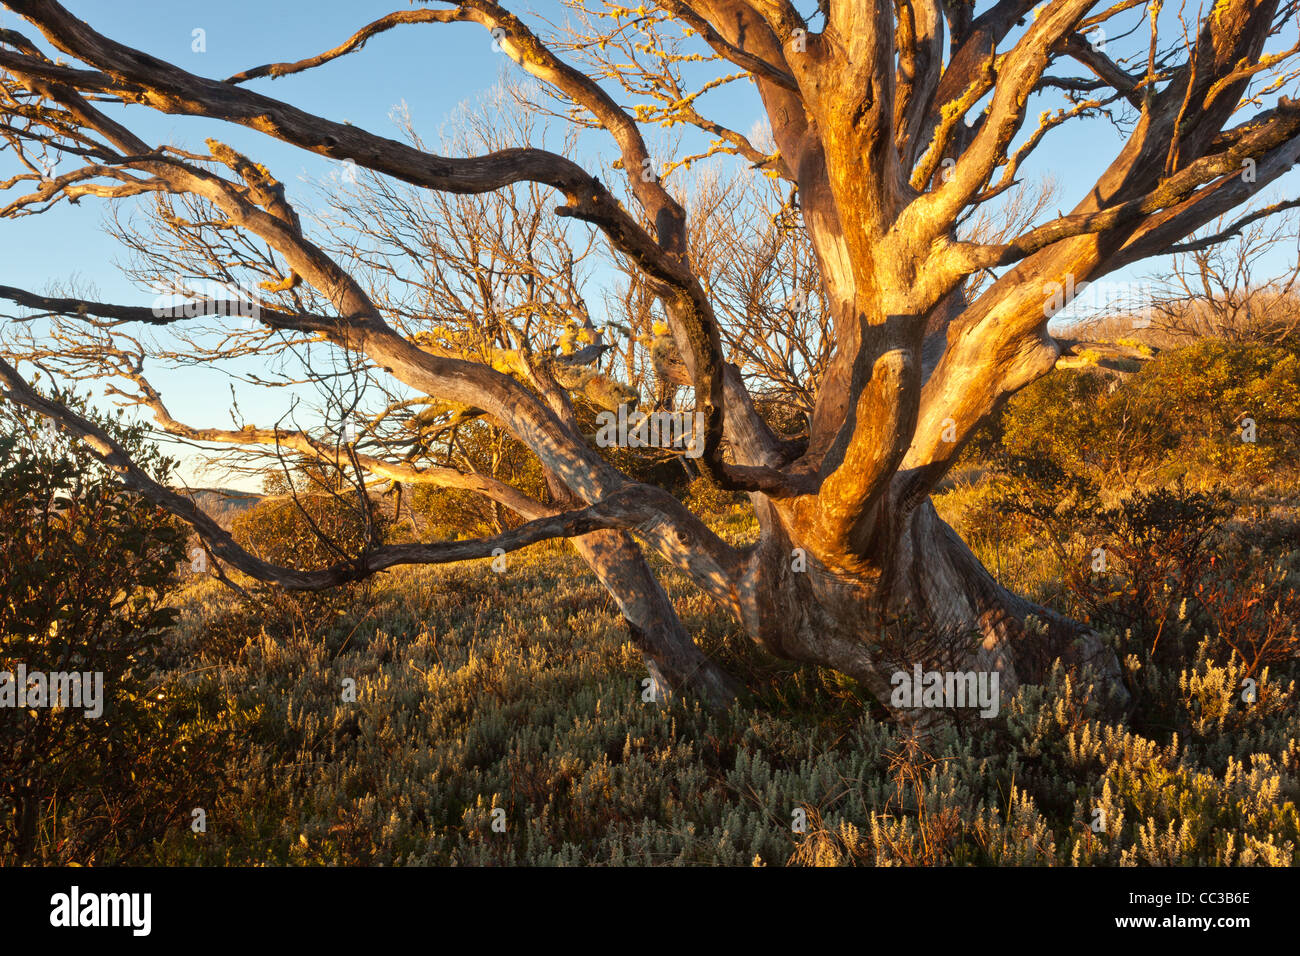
671 656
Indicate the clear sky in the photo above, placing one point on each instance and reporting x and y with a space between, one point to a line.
430 67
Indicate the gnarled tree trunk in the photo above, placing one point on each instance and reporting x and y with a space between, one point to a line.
930 603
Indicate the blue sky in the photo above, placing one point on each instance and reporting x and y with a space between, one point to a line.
430 67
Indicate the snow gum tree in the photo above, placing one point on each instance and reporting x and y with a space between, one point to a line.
891 126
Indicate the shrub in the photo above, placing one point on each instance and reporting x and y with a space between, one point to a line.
453 513
1154 549
307 532
85 570
1184 414
707 500
1253 608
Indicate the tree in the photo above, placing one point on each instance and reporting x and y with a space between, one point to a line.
892 125
1212 286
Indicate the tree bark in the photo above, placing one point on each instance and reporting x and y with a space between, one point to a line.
671 656
927 600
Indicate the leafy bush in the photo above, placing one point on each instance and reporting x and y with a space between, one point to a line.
1253 607
707 500
1085 421
453 513
1152 552
85 570
1210 391
1184 414
309 531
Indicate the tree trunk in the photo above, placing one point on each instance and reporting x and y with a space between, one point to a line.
927 601
671 657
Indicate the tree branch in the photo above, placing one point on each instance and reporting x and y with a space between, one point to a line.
615 512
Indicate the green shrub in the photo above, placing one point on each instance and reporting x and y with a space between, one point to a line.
1184 414
308 531
449 514
709 501
85 570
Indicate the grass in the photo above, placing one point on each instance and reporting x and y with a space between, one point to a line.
519 692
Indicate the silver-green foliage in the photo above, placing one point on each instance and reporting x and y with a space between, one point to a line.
479 692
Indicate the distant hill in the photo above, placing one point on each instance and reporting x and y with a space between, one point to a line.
223 505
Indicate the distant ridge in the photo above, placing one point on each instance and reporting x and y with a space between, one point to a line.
223 505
